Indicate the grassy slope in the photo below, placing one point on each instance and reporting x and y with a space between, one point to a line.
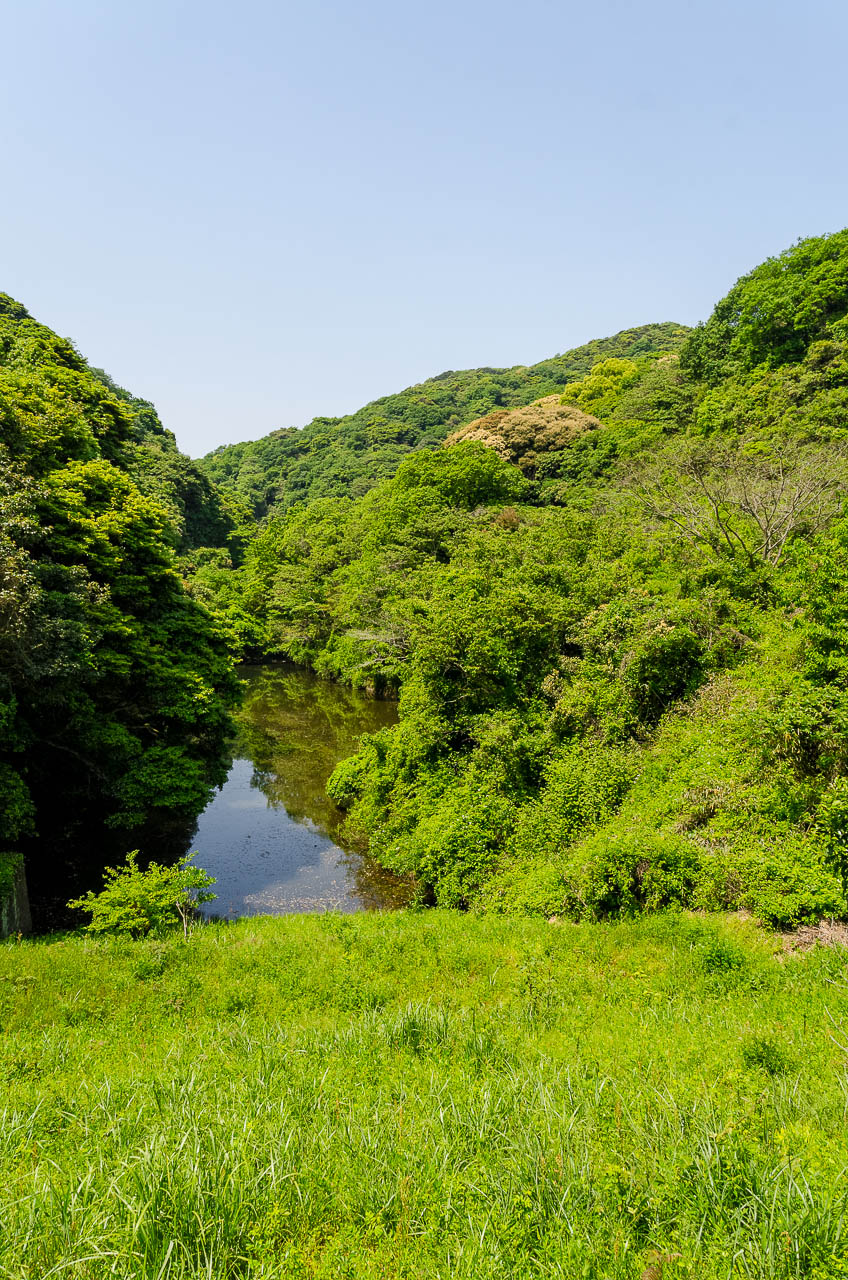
424 1095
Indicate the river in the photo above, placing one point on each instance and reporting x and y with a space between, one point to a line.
270 836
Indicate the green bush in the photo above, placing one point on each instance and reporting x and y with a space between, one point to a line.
529 889
832 822
666 665
766 1053
583 789
136 903
9 863
615 875
717 956
770 868
454 849
347 780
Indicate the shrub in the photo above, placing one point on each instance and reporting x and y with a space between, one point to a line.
583 789
666 665
780 874
765 1052
530 889
718 956
454 849
624 874
832 822
136 903
347 780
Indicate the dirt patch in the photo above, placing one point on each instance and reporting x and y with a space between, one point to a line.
827 933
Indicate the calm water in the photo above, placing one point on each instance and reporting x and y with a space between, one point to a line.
270 836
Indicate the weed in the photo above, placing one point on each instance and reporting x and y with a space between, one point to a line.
525 1101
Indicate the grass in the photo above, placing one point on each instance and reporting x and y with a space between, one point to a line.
424 1095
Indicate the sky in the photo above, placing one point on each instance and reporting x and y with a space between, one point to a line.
255 213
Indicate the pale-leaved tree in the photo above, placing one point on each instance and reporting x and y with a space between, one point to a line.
744 500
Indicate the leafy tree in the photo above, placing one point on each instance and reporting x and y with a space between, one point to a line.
139 902
116 684
775 313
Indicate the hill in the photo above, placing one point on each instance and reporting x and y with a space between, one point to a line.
114 682
622 663
609 590
333 457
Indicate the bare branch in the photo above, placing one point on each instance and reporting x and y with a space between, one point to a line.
740 500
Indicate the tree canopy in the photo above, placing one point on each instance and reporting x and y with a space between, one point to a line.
115 683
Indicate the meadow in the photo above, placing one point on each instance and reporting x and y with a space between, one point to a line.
425 1094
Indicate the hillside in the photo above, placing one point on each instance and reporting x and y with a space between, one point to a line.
609 590
616 619
114 683
333 457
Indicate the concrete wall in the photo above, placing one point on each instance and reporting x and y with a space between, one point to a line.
14 907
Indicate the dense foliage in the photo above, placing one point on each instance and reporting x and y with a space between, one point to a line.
114 683
774 315
609 590
616 618
335 457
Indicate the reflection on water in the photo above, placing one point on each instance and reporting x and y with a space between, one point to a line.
270 836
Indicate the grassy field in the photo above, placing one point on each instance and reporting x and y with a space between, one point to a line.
425 1095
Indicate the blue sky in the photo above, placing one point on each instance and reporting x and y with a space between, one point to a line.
252 214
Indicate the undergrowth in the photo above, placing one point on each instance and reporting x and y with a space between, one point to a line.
424 1095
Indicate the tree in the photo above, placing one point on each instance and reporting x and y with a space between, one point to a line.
740 501
115 684
136 903
773 314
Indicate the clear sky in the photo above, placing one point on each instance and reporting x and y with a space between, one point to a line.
258 212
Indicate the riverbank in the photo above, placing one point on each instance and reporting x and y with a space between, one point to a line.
425 1095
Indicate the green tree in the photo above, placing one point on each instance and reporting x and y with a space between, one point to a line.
138 902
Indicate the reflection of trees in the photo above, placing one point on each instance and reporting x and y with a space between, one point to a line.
296 728
375 886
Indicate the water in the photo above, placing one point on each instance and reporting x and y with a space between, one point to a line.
270 836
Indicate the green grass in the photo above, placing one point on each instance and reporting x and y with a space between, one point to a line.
424 1095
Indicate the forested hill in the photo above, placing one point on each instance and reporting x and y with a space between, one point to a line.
610 591
114 683
109 421
346 456
617 619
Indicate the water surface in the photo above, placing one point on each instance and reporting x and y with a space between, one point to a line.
270 836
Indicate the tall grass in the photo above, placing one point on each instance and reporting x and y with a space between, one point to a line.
424 1095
